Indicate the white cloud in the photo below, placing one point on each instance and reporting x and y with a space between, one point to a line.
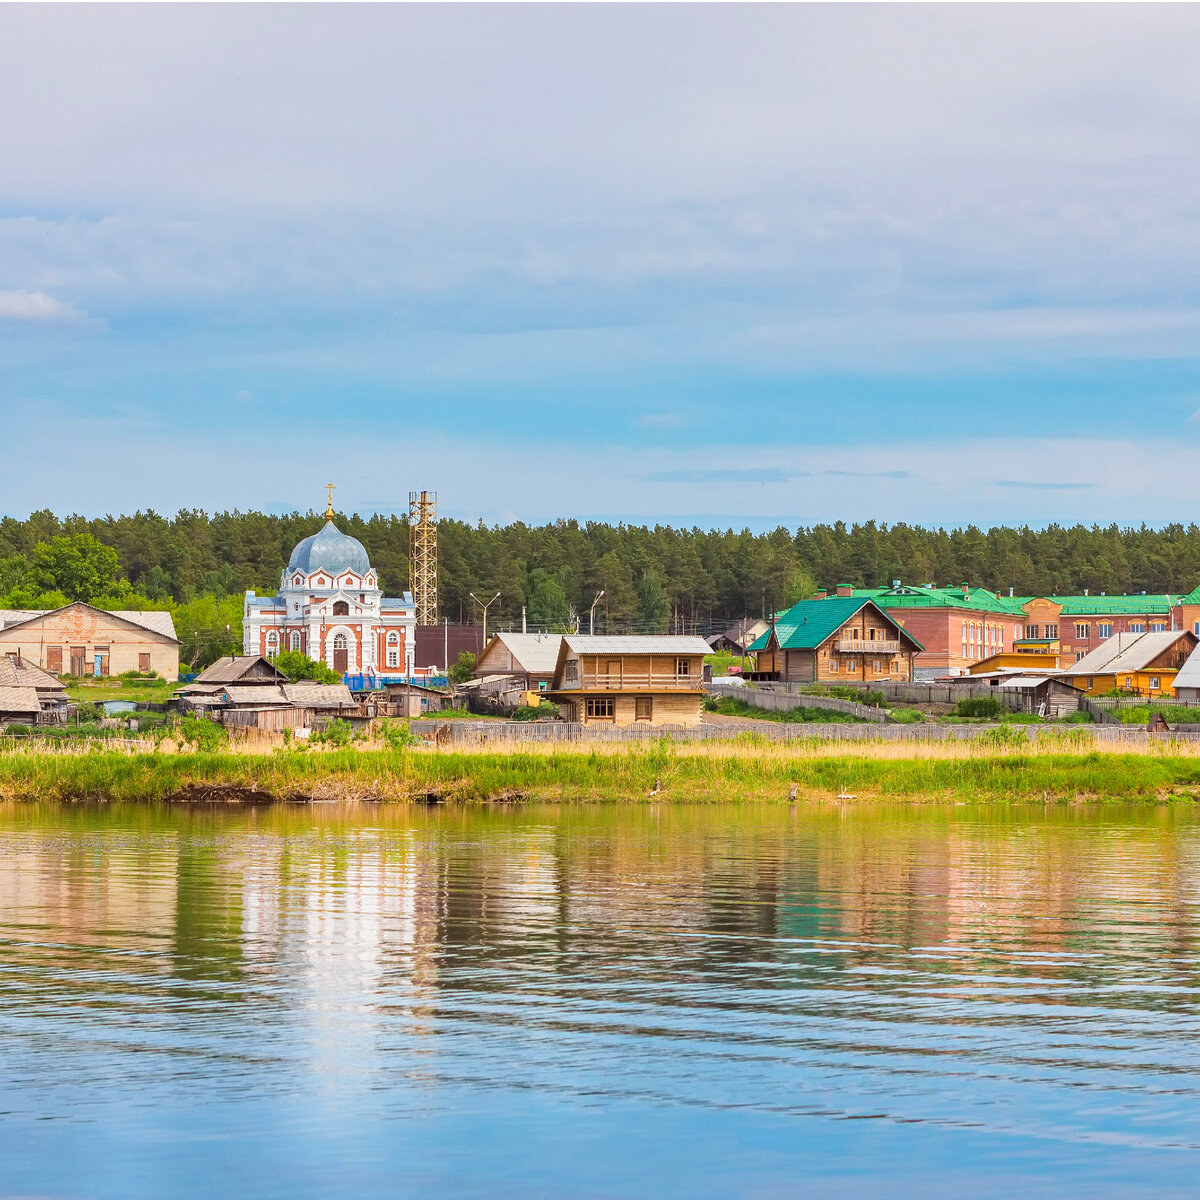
38 307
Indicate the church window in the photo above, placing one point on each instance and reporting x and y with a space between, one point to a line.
341 608
339 641
295 641
272 644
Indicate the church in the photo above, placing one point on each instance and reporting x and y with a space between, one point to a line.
330 607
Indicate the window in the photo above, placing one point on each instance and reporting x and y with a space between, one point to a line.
341 608
852 666
1157 627
294 641
643 708
272 644
1051 632
1137 627
339 641
1196 628
143 662
571 671
601 708
833 665
1091 682
393 656
1154 683
875 665
1079 654
1129 681
683 667
1081 629
1031 632
1104 629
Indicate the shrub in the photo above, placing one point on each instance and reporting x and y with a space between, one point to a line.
297 666
537 712
461 671
979 706
1004 736
202 733
1079 717
397 734
336 733
19 730
908 716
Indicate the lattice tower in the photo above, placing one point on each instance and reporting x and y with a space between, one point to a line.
422 545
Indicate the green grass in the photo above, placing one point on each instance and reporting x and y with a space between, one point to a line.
721 662
732 706
740 774
92 691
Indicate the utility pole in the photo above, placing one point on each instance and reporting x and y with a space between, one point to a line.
485 607
592 615
523 629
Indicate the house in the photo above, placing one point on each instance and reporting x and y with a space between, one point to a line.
49 689
1045 695
528 658
736 638
207 690
630 680
1029 659
1144 664
410 699
79 639
844 639
19 706
1187 681
285 706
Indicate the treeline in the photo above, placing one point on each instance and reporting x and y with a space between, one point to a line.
659 578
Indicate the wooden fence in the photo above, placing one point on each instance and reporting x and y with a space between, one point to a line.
772 700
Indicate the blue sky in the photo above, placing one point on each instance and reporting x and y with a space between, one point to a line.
726 265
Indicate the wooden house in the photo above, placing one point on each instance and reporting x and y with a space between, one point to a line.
630 680
50 691
207 690
841 639
529 658
1142 664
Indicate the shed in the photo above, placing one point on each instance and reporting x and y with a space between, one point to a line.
19 706
528 657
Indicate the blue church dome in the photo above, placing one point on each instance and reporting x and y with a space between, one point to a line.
330 550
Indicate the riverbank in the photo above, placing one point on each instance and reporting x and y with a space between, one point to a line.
662 772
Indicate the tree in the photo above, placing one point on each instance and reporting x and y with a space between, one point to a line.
209 628
548 607
654 608
79 566
297 666
461 671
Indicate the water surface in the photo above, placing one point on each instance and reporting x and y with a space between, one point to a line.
599 1002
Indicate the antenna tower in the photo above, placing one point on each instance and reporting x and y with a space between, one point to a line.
422 545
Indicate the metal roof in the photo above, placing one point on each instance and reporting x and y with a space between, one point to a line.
1125 652
536 653
329 549
635 644
156 622
19 700
1189 674
405 601
808 624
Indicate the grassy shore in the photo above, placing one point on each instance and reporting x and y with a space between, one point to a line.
711 772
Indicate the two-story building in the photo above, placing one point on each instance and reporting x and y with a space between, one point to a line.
630 680
1142 664
841 639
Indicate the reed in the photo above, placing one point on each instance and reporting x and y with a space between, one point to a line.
738 770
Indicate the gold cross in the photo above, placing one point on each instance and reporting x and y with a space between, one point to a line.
329 511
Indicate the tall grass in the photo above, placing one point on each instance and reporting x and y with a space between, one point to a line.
743 769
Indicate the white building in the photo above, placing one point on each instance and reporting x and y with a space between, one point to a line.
330 607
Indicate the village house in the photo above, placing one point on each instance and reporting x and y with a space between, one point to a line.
79 639
630 680
49 692
842 639
528 659
1142 664
1187 680
1042 695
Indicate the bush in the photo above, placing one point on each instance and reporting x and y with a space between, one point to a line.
397 734
538 712
297 667
461 671
1079 717
336 733
19 730
908 716
979 706
1004 736
202 733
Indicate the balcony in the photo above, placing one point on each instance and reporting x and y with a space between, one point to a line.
865 646
639 681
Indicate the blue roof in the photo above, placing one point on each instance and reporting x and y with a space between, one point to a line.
404 601
330 550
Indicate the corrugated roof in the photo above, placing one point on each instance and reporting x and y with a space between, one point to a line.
19 700
536 653
810 623
1189 674
405 601
319 695
584 643
979 599
1082 606
1125 652
155 622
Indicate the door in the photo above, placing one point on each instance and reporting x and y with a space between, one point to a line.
612 673
78 660
341 655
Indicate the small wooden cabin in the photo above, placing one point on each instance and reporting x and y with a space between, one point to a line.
630 680
530 658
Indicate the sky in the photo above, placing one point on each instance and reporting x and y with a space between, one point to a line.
716 265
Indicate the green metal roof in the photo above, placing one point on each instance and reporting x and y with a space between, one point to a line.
810 622
1081 606
904 596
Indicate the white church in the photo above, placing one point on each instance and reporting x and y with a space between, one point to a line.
330 608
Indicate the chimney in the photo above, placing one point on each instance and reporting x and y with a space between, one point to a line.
895 585
844 589
821 594
966 589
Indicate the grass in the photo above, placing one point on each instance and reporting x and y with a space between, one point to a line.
721 663
733 706
1067 767
93 691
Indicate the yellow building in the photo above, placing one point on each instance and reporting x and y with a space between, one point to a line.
1141 664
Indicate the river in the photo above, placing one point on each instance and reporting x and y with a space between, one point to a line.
604 1002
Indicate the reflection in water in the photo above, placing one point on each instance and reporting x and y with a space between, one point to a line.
598 1001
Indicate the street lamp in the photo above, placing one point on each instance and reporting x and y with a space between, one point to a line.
485 607
592 615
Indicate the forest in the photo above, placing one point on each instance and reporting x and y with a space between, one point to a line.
653 579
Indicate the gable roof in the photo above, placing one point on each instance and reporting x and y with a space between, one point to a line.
810 623
1189 674
535 653
635 643
26 675
236 667
319 695
1126 652
19 700
159 623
